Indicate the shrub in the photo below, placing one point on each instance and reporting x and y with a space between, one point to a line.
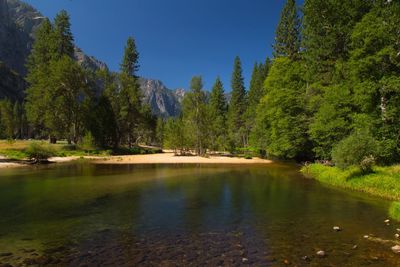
88 142
39 152
357 149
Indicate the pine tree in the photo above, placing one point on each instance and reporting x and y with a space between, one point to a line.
287 39
7 119
255 94
130 62
326 33
38 65
237 107
218 113
129 98
63 35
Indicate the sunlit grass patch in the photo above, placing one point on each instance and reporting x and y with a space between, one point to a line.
383 182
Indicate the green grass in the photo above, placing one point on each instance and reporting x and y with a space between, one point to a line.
383 182
394 211
17 150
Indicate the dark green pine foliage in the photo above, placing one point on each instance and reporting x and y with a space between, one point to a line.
375 75
129 99
287 38
63 35
326 32
237 108
218 115
38 65
130 61
254 96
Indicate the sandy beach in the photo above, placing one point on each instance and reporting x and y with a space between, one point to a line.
164 158
170 158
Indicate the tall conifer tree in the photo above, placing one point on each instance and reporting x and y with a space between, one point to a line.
287 39
237 106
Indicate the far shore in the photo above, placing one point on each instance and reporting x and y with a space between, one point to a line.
162 158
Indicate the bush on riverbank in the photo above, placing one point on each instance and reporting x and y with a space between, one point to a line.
358 149
39 152
383 182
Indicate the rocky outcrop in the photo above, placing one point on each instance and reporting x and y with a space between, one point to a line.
163 101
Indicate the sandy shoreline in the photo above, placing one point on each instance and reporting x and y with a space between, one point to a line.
164 158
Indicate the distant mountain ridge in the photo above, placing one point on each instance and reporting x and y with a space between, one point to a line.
18 23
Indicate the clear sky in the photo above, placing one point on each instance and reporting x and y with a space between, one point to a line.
177 39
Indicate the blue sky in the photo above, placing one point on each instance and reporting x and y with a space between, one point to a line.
177 39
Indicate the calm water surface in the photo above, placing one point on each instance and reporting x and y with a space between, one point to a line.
186 215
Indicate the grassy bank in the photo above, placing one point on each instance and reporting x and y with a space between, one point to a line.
17 150
383 182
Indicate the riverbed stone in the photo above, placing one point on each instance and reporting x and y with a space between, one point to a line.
321 253
396 249
337 228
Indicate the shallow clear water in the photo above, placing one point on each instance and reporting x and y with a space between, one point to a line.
168 215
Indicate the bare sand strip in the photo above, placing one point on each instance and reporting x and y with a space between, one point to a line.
170 158
164 158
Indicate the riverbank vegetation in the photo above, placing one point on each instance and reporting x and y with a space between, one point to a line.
382 182
32 149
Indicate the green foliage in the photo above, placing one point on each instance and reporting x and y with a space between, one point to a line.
394 211
174 135
326 34
281 121
237 107
196 117
287 37
130 61
218 116
358 149
332 120
7 120
88 142
383 181
64 41
39 151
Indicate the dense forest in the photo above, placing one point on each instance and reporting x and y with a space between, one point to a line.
331 90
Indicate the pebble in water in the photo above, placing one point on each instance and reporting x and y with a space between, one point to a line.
397 235
321 253
387 221
396 249
337 228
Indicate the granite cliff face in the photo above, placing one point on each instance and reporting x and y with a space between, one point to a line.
163 101
18 23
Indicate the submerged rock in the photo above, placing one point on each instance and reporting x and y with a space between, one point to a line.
321 253
337 228
396 249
